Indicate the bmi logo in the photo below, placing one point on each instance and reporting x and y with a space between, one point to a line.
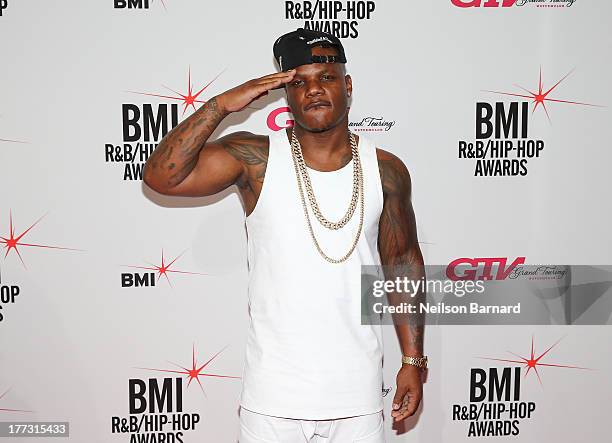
135 4
156 409
147 278
145 124
497 405
503 146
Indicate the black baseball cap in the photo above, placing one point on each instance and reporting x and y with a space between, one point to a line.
295 48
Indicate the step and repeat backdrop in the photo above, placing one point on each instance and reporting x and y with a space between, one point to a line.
123 313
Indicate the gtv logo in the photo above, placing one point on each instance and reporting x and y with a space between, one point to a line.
482 268
275 121
486 4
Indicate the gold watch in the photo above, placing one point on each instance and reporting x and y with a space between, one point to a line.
419 362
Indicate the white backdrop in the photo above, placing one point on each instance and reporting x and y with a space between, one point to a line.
76 332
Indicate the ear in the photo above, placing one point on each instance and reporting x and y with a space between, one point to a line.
349 84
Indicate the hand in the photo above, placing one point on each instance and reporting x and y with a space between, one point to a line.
408 393
239 97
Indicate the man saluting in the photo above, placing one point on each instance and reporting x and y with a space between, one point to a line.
319 203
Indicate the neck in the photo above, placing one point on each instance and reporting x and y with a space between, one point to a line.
327 148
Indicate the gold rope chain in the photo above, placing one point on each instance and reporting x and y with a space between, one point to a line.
297 157
297 150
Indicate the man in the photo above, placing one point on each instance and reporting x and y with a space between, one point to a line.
313 372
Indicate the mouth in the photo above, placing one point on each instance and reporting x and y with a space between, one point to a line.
317 105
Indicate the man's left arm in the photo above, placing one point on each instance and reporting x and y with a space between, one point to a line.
401 256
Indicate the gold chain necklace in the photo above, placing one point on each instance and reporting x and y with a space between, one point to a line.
297 150
301 173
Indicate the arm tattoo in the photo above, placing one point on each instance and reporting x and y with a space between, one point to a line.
189 136
253 153
398 245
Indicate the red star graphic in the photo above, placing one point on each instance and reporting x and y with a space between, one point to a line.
164 268
11 410
188 99
195 372
13 242
541 97
533 362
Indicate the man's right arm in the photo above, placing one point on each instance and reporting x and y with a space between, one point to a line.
185 163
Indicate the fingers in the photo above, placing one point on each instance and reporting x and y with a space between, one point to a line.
275 75
263 94
402 411
279 77
399 397
257 88
240 96
408 406
264 87
282 82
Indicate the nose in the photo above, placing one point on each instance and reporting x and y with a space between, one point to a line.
313 88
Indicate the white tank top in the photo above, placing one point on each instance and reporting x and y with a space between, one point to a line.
308 356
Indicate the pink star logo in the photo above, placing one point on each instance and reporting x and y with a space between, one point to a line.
195 371
188 99
541 96
164 268
533 361
12 242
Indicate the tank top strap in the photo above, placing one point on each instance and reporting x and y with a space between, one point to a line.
369 164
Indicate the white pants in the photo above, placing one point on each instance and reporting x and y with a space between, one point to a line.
260 428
